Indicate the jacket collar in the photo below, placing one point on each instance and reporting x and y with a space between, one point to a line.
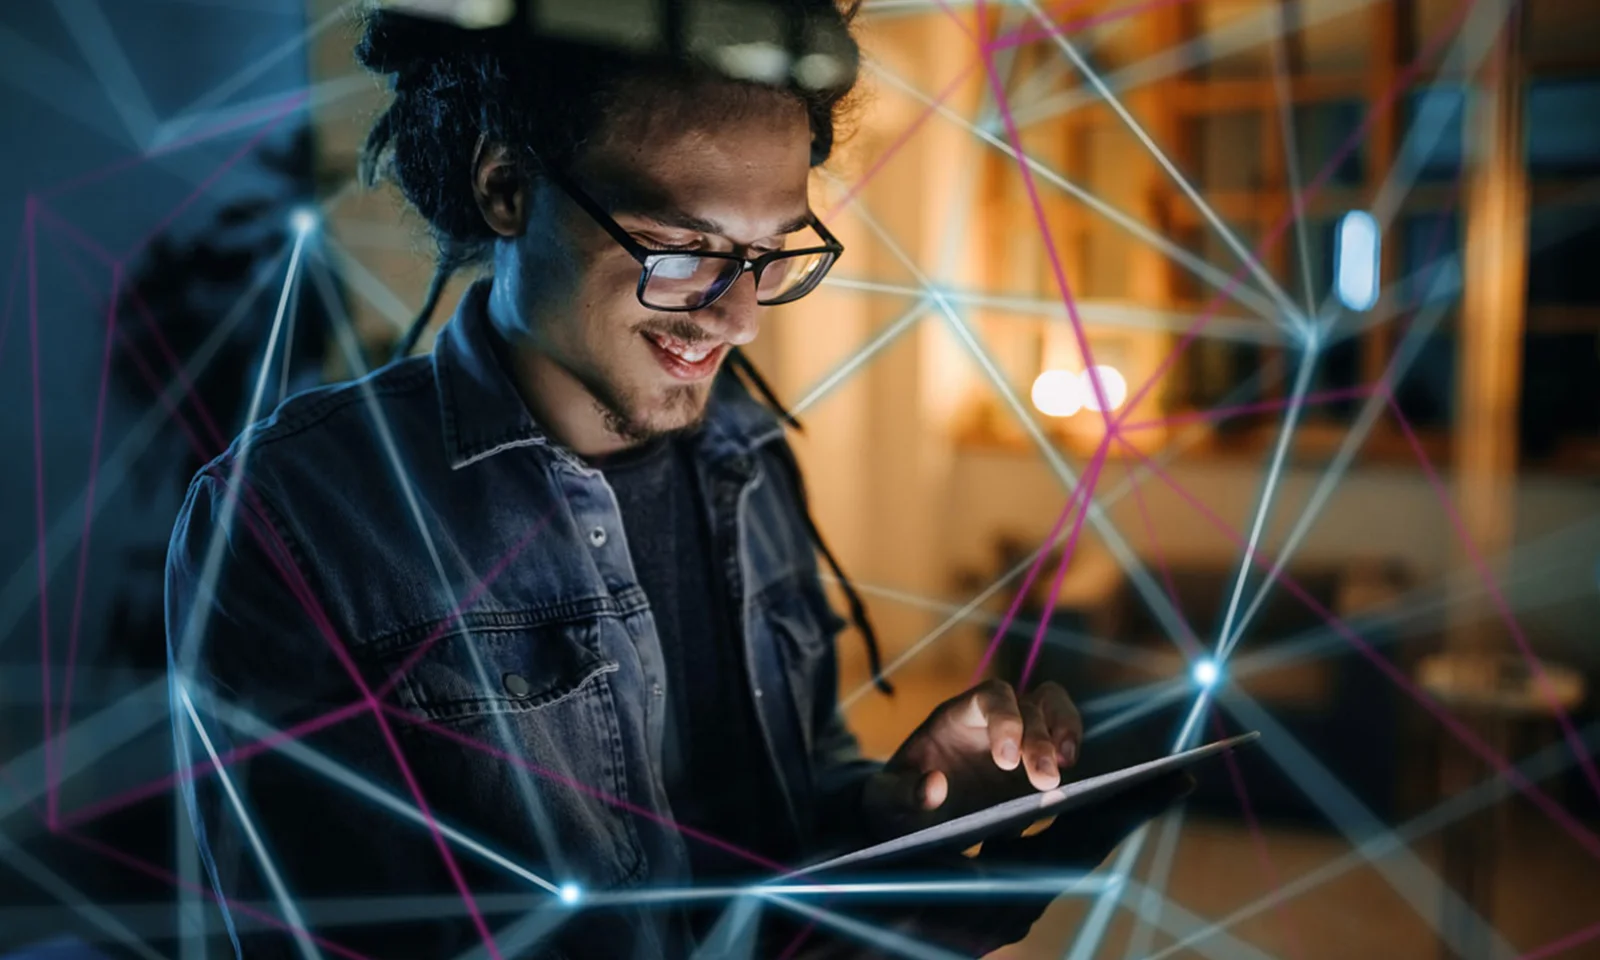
483 415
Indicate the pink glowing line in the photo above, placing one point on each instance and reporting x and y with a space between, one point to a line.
314 608
1191 646
1535 665
1222 413
272 109
213 177
997 86
583 788
301 590
103 807
30 228
477 591
1297 208
1026 35
1091 476
1587 840
900 141
1027 581
139 865
1574 939
1186 639
205 767
88 503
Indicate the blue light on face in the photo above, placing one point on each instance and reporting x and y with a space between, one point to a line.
1205 672
1355 260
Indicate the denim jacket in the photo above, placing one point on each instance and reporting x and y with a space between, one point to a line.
405 568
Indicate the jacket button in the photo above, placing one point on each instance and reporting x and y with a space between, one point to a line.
517 685
597 537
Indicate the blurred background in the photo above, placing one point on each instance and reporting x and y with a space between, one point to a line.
1334 264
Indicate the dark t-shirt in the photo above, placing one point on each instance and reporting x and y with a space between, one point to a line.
717 774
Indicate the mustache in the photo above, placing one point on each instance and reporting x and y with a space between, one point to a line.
677 329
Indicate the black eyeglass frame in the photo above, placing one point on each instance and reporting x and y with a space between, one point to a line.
649 259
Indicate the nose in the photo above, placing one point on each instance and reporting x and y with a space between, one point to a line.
735 316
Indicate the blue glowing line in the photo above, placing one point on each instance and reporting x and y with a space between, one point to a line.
187 117
105 58
344 332
1405 354
1413 879
1274 472
291 913
42 877
877 937
1240 293
1548 761
519 938
211 568
1166 697
1262 277
1152 896
66 530
1245 33
338 773
885 337
1157 601
735 933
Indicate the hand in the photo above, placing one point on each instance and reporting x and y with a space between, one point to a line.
977 749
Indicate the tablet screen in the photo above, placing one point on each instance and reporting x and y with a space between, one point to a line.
1013 816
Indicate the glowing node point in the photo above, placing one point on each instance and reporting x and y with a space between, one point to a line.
1206 672
570 893
1112 382
303 219
1058 393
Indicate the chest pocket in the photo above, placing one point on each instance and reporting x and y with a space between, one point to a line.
517 728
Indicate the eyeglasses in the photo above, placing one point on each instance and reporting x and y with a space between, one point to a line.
680 282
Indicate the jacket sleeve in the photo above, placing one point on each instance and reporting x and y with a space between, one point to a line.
251 650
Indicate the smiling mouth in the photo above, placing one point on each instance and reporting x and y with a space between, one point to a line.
682 359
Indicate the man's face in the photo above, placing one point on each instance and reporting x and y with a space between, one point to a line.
724 174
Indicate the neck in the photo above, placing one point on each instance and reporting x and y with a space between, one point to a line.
559 402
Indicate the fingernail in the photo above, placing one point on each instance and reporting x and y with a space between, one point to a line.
1069 752
1008 751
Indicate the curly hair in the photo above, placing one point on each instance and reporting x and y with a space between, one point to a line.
545 92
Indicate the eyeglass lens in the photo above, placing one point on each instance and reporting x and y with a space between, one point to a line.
686 281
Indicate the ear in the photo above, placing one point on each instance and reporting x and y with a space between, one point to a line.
500 189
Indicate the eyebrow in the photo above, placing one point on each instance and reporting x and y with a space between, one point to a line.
688 221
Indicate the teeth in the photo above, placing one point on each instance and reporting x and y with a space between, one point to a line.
682 350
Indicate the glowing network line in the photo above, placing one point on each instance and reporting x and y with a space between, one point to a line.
263 860
344 333
1110 99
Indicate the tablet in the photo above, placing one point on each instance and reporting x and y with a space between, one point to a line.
1013 816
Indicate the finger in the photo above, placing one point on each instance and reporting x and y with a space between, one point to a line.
932 790
1063 719
1038 750
994 706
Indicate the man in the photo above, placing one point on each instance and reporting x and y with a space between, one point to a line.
541 610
